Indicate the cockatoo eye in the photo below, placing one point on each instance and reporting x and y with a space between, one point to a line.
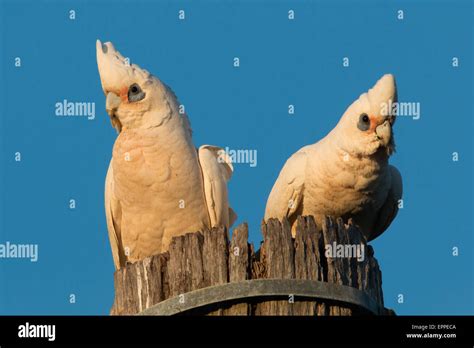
135 93
364 122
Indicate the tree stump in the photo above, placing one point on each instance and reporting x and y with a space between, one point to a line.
205 274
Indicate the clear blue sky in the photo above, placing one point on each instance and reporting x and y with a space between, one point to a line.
282 62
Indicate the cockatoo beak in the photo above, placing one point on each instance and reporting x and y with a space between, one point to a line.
112 103
384 132
385 136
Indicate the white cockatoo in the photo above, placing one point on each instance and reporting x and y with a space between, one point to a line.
158 184
346 174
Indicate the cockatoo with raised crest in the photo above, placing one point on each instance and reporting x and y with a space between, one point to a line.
346 174
158 184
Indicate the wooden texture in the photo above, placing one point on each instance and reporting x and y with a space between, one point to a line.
202 259
239 265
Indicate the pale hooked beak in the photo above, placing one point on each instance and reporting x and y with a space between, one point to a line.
384 133
112 103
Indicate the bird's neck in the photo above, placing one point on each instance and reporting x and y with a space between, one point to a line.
335 159
170 133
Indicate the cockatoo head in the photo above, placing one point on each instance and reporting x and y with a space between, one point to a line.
134 97
366 126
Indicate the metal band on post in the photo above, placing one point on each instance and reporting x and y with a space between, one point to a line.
262 288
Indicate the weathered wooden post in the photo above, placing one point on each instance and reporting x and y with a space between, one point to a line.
205 274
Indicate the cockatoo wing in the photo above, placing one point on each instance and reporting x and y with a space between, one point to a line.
287 193
217 170
389 209
113 213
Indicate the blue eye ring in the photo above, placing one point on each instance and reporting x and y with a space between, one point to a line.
364 122
135 93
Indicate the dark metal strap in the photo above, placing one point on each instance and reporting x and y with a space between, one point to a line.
261 288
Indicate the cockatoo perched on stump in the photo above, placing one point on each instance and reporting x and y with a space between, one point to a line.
158 184
346 174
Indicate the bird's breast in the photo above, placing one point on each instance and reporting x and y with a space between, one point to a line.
344 186
150 171
158 182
